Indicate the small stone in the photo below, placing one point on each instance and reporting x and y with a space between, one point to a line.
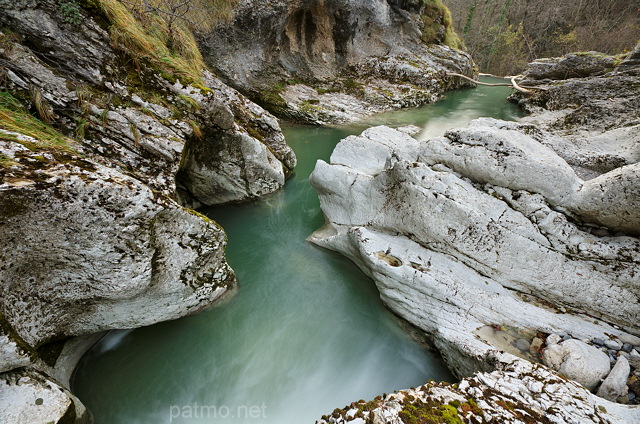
623 399
631 395
628 338
599 342
612 352
553 339
613 344
634 384
578 361
615 385
627 347
536 345
523 345
567 337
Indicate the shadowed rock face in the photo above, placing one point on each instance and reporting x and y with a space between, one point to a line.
319 49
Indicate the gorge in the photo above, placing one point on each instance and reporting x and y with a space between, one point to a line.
482 236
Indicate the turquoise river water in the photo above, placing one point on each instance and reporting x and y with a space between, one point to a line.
306 331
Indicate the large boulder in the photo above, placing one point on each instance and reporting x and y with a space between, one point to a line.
615 384
89 248
573 65
578 361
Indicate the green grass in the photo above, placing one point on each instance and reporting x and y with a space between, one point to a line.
146 37
14 117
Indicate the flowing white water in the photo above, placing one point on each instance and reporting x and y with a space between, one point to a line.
305 333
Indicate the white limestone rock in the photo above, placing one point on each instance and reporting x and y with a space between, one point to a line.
376 181
29 397
87 248
615 385
11 355
578 361
517 392
452 252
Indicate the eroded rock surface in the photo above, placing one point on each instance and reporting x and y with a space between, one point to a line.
93 249
136 119
595 114
46 401
334 61
517 392
484 228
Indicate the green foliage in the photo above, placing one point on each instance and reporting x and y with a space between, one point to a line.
510 39
70 10
15 118
491 28
467 26
437 25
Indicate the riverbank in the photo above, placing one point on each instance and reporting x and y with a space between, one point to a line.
488 241
302 314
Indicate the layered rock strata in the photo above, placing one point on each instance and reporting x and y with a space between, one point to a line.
485 239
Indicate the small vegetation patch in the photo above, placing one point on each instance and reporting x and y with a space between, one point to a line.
14 117
419 412
438 24
161 32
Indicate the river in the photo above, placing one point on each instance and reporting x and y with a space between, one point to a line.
306 331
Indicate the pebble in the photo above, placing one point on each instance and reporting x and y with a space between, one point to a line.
613 344
599 342
627 347
567 337
523 345
631 396
536 345
553 339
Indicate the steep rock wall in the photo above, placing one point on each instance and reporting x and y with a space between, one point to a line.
334 61
127 113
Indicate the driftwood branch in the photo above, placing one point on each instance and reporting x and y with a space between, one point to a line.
513 84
